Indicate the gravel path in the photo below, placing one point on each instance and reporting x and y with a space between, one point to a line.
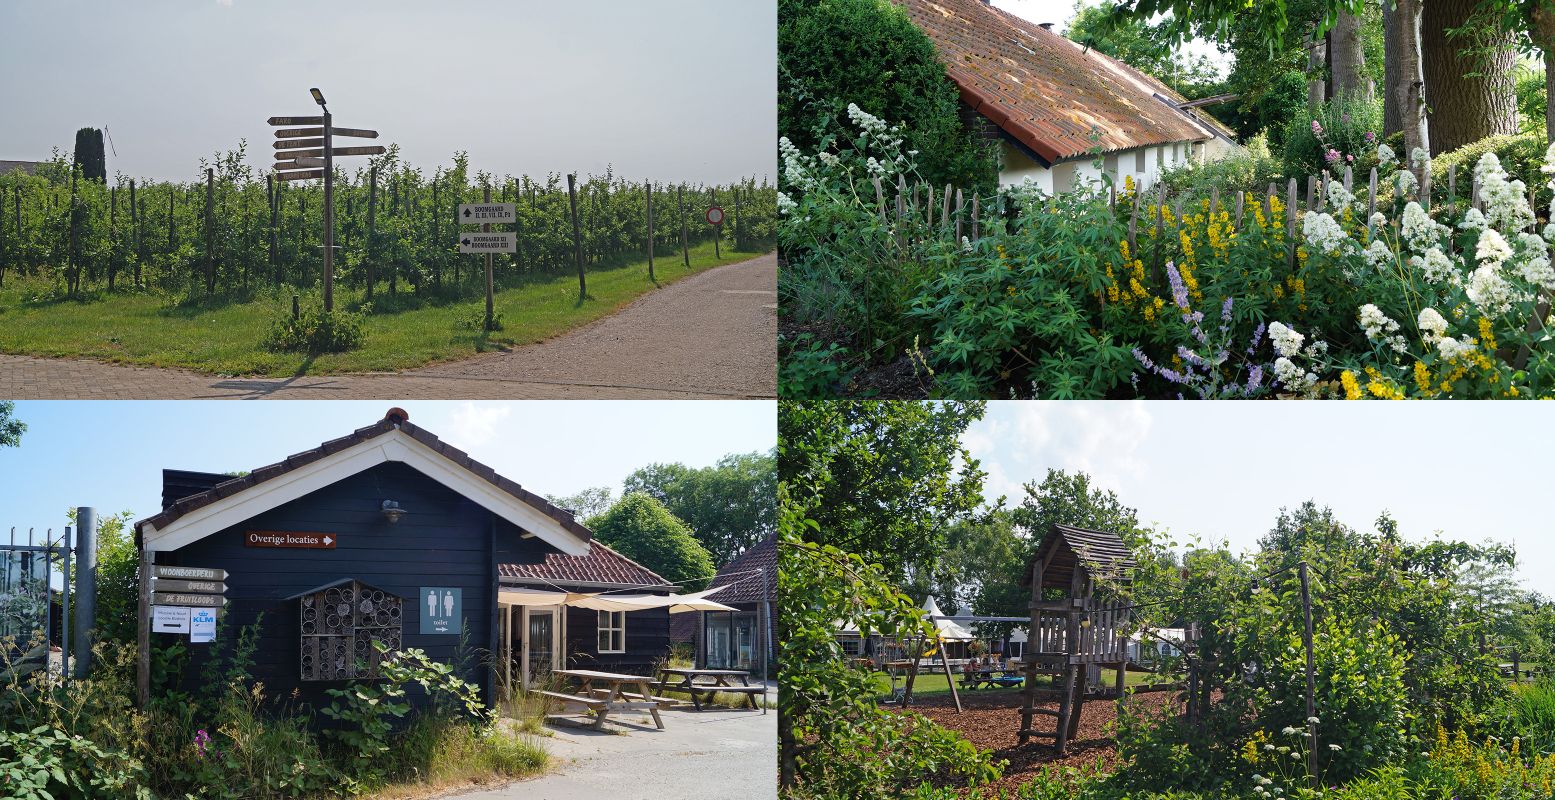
712 335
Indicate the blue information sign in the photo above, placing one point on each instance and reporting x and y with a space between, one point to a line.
441 610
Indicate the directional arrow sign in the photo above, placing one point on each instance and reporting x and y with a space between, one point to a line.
293 144
324 541
360 133
479 213
488 243
296 120
375 150
301 163
199 587
295 133
300 176
190 573
180 599
317 152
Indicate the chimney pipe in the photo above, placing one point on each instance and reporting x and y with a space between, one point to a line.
1047 26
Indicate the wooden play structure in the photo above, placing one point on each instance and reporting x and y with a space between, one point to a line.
1073 637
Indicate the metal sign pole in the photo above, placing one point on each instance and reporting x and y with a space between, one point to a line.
86 585
486 228
329 216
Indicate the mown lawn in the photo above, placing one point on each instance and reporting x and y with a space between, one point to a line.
223 337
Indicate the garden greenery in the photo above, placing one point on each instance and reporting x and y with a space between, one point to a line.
1055 299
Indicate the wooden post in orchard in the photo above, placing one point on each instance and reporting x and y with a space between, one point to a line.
577 234
1306 639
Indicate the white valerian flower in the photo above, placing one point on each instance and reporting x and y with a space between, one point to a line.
1451 348
1378 220
1419 231
1380 328
1322 232
1418 156
1334 747
1289 375
1549 160
1506 201
1378 254
1488 290
1404 183
1286 342
1385 155
1339 197
1290 730
1536 269
1492 249
966 245
1432 325
785 204
1472 220
867 122
1315 720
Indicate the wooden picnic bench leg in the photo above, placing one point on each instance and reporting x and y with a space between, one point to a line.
653 709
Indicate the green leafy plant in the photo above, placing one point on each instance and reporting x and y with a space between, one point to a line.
315 331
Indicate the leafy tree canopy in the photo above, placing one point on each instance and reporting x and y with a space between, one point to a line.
587 504
11 428
730 506
886 479
642 529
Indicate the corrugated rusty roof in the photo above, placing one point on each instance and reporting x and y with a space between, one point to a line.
601 565
1047 92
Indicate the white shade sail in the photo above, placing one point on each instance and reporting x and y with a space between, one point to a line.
677 603
949 630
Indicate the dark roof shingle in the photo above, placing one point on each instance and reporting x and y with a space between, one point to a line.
749 587
601 565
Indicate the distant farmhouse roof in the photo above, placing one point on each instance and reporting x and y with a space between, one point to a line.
29 167
749 587
1049 93
601 565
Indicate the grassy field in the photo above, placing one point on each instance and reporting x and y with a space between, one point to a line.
222 337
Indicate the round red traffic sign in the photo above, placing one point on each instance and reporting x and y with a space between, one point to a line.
715 215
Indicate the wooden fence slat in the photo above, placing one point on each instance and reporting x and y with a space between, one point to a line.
1452 189
1290 226
944 211
1241 200
977 231
959 217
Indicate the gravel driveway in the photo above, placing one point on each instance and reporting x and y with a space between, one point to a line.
711 335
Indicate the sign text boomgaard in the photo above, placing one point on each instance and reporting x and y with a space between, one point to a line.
289 539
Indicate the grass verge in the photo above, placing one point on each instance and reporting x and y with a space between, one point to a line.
403 332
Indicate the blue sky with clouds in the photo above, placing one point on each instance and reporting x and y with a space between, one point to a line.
1469 470
110 454
676 89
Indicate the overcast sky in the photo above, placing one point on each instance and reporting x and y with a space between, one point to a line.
110 454
671 89
1472 471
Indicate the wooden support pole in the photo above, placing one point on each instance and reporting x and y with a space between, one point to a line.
143 632
210 231
680 211
372 228
1306 640
1290 226
949 679
648 201
577 234
329 216
490 289
717 229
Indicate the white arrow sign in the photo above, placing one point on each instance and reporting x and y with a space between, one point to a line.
478 213
488 243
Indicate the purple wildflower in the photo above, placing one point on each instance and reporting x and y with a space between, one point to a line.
1332 156
1179 291
1225 310
1370 137
1257 337
1254 378
1143 359
1189 356
1317 130
201 740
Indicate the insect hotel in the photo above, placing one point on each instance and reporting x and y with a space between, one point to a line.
1074 635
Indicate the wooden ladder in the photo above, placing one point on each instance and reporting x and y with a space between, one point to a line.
1070 700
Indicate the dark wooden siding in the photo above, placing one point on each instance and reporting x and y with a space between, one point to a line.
647 641
444 540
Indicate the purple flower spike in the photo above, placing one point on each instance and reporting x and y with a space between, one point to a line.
1257 337
1179 291
1225 310
1317 130
1254 378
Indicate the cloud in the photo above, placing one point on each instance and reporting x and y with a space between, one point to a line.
226 3
1018 441
474 425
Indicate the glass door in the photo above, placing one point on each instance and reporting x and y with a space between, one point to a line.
541 645
744 640
718 655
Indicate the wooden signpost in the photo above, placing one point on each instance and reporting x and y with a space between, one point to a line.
488 242
307 153
180 600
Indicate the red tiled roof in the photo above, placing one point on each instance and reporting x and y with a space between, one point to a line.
394 420
750 587
1046 91
601 565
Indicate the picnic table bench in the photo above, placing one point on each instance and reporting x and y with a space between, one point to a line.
687 682
990 678
602 694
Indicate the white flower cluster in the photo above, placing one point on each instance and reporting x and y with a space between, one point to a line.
1472 220
1287 342
1379 328
1506 202
1404 183
1419 231
1535 268
1339 197
1492 249
1323 233
1433 326
1489 291
1378 221
1385 155
1436 267
867 122
1418 157
1451 348
786 204
1378 254
1287 345
798 169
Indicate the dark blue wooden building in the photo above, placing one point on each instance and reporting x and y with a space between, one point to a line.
390 534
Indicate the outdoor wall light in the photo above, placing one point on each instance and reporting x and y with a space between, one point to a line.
392 511
318 96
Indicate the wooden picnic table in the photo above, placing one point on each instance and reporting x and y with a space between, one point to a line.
601 692
991 678
719 683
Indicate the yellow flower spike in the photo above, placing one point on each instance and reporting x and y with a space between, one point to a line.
1422 377
1352 390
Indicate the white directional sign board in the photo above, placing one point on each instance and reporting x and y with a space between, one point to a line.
169 619
478 213
502 242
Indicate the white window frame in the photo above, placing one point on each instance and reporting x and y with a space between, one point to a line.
606 631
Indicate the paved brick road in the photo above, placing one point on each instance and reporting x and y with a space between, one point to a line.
711 335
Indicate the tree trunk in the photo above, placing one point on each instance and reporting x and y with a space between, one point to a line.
1544 39
1392 118
1410 88
1348 59
1317 62
1470 76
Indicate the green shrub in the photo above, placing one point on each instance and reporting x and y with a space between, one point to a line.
315 331
812 368
474 319
48 764
1521 155
1346 134
1250 170
1533 716
642 529
835 52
